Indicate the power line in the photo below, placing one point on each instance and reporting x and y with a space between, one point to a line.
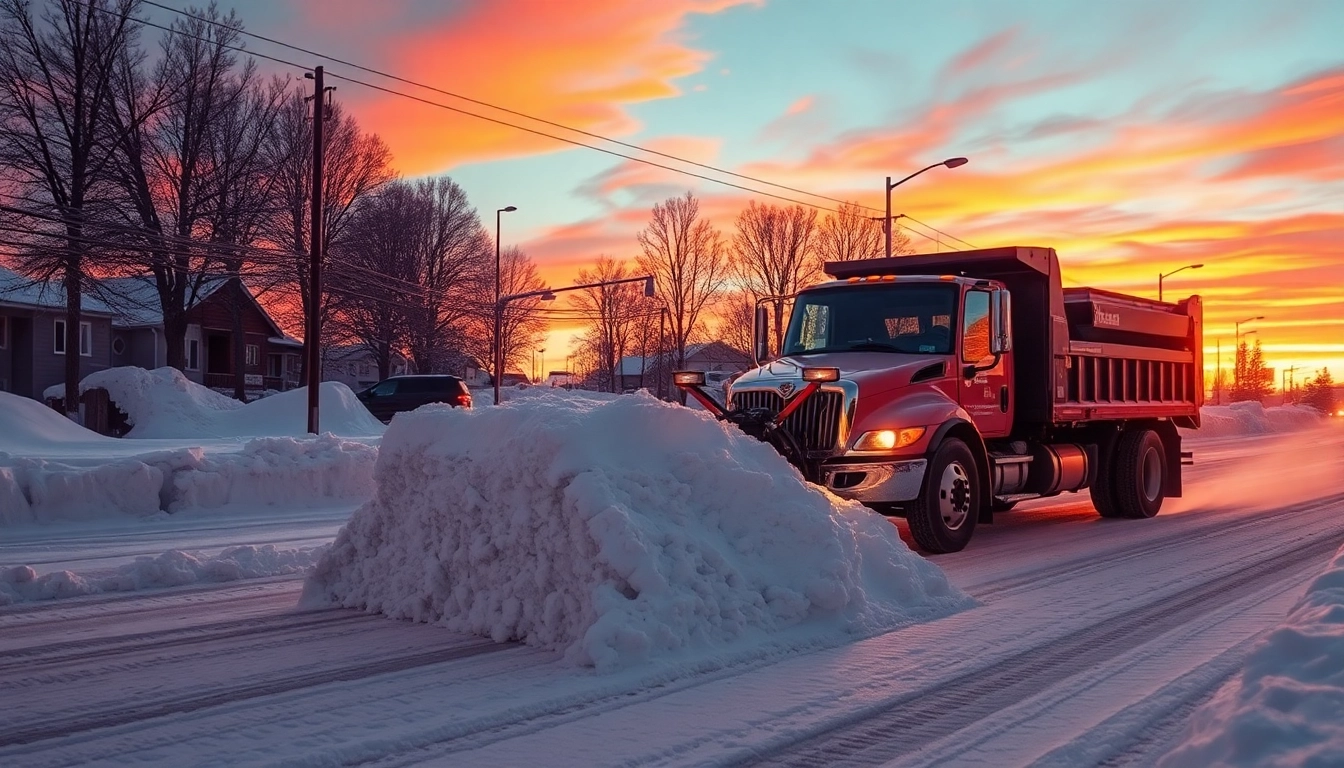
170 30
544 121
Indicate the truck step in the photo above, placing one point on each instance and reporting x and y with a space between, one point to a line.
1187 458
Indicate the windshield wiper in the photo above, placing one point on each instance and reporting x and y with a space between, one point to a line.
874 346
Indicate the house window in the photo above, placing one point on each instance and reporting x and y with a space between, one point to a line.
119 346
193 354
85 338
253 353
274 367
4 331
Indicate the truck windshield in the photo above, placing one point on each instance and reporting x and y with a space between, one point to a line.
912 318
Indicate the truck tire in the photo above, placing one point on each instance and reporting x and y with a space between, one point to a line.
943 518
1140 474
1103 498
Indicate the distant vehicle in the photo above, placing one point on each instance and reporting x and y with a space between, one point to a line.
914 385
559 379
406 393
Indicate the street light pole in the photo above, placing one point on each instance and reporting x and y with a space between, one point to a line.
951 162
1236 370
1161 277
499 317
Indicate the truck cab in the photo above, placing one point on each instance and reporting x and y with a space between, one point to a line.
945 396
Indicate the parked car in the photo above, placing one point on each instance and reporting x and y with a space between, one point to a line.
406 393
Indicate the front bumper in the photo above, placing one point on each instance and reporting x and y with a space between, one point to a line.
878 482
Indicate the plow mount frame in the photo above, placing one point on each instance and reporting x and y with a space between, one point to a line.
764 424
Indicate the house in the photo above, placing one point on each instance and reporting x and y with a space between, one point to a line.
355 366
714 357
271 358
33 337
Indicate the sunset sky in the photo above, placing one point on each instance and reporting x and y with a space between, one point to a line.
1133 137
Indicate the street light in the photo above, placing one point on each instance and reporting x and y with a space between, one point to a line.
1161 277
497 355
548 294
541 372
1236 369
951 162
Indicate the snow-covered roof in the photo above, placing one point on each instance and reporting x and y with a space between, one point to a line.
285 341
19 291
136 299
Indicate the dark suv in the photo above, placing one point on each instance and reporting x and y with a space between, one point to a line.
406 393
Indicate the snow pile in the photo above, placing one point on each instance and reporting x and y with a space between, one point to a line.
26 424
267 471
171 569
1252 418
163 403
158 403
622 531
1287 705
485 397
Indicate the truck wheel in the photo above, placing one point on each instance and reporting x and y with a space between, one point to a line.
943 518
1103 498
1140 474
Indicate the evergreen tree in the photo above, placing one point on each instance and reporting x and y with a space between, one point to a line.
1319 393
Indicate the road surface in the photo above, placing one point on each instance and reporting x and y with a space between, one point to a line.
1094 641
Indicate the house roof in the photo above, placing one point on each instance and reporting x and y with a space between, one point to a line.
349 351
136 299
19 291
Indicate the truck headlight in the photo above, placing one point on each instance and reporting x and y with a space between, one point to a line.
888 439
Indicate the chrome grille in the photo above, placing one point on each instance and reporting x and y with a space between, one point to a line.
816 423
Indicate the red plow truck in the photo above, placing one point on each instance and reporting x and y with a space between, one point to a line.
946 387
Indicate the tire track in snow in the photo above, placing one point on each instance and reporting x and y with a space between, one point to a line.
183 704
1213 528
898 728
108 648
99 599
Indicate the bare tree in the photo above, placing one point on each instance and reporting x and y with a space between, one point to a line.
357 165
453 266
685 254
239 194
56 84
610 311
190 164
773 254
851 233
523 324
374 282
736 314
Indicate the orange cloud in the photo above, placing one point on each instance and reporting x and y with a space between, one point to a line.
1141 194
537 57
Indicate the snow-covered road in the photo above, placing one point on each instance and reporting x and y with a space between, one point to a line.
1094 642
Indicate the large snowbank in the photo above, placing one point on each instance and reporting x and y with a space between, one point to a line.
1251 418
174 568
273 470
1286 708
621 531
163 403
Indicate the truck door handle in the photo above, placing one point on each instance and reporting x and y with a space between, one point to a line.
1003 398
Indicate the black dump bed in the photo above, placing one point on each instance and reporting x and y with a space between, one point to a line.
1082 354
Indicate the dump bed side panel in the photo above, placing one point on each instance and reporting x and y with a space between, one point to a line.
1131 358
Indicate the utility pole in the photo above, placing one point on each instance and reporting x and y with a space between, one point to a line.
1218 375
313 331
1287 384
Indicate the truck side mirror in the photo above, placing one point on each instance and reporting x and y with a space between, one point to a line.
760 335
1000 322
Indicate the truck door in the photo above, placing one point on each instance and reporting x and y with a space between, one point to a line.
986 394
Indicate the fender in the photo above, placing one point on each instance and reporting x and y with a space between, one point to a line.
961 428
